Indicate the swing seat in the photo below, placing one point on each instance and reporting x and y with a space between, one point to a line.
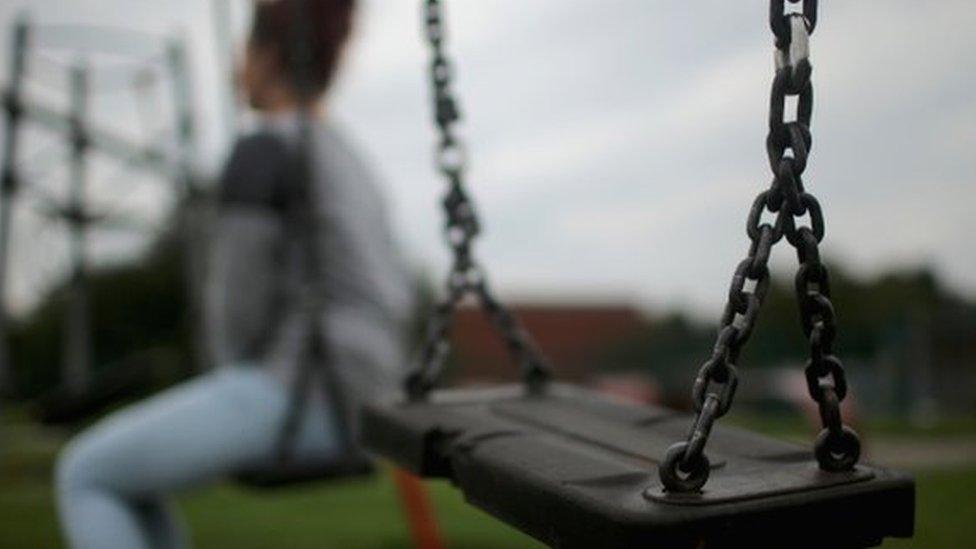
291 474
574 468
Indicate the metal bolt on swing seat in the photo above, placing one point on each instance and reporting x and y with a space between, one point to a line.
679 475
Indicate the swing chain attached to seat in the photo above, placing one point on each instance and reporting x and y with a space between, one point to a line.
466 276
685 467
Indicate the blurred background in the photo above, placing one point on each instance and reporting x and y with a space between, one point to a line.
615 150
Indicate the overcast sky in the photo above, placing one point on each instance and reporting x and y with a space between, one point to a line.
617 145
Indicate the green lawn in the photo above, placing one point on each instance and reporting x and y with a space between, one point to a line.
945 510
351 514
356 514
366 513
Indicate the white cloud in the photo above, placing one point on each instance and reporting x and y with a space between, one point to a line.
617 145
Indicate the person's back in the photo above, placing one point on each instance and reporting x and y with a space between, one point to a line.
260 268
368 295
265 301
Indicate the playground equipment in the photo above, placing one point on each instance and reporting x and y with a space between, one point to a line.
572 468
169 156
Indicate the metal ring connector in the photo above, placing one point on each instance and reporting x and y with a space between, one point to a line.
676 478
838 452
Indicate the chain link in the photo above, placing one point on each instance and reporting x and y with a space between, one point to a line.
685 467
466 276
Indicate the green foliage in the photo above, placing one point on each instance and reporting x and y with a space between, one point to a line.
873 315
135 306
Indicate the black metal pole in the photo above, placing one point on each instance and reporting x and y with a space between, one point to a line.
75 373
9 184
183 110
191 214
223 52
150 158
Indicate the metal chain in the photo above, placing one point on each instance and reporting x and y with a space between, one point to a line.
466 276
685 467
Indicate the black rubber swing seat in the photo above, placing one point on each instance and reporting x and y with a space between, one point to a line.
301 473
574 468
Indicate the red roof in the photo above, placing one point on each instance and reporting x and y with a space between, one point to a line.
574 337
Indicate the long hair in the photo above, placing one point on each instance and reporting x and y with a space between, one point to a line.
328 24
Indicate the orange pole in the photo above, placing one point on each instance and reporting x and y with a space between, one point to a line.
420 513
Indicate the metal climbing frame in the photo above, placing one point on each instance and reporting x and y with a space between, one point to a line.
84 138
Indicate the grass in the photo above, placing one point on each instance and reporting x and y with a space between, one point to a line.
361 514
354 514
945 510
366 514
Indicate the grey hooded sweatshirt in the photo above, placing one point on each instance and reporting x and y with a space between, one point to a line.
258 295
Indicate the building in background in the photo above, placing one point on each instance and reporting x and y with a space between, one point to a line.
574 337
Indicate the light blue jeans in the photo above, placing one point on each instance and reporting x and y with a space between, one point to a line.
114 480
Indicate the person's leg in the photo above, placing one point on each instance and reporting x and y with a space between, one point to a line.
161 523
114 478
